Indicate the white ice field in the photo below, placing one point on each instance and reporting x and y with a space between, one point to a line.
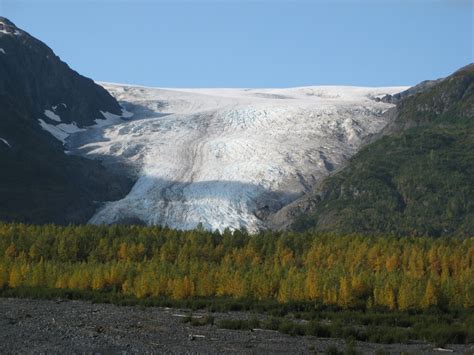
226 158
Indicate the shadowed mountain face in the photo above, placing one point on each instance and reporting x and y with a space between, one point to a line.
38 181
31 74
418 179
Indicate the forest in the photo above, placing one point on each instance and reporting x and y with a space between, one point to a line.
348 272
380 288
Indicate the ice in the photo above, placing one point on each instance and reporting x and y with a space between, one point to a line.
109 119
126 114
226 158
52 116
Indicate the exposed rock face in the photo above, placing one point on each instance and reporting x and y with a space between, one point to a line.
423 86
38 181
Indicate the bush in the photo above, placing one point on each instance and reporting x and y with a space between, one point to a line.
197 322
272 323
442 334
333 350
292 328
318 330
387 335
239 324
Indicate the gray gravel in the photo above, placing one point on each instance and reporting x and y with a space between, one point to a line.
36 326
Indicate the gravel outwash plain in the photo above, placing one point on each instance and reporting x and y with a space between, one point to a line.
56 326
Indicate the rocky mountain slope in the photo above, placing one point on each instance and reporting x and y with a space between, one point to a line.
227 158
418 179
42 99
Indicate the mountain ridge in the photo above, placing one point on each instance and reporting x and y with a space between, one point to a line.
416 179
39 182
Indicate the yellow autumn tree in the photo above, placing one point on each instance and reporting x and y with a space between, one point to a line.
430 297
346 297
15 277
405 296
11 251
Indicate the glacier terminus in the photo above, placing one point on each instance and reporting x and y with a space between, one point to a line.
227 158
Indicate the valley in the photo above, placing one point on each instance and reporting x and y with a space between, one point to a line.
295 219
227 158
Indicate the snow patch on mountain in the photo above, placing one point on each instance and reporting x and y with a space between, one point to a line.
61 131
227 158
5 142
52 116
9 30
8 27
55 107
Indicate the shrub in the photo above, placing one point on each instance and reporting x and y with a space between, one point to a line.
239 324
333 350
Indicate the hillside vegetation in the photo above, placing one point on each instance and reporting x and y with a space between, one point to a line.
417 180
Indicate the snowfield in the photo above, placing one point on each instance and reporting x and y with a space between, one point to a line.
227 158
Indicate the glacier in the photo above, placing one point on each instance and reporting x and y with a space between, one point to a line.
227 158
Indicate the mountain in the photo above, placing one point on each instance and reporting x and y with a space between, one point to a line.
227 158
42 101
418 179
343 159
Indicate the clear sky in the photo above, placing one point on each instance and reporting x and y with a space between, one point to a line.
243 43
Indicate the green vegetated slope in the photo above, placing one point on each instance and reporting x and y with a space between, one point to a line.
417 180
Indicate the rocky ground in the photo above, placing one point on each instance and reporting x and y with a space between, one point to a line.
32 326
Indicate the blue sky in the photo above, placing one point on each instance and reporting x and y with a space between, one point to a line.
254 43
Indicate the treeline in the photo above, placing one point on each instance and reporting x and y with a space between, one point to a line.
350 272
